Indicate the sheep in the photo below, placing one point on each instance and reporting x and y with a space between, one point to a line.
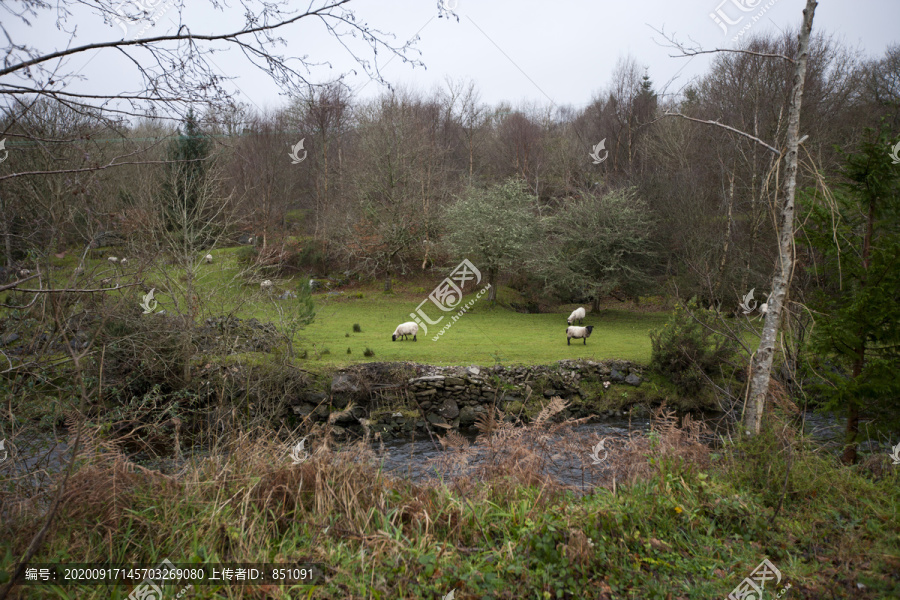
405 329
208 259
578 332
577 315
266 285
113 259
123 261
24 272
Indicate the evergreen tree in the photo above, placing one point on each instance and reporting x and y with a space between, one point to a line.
857 331
186 181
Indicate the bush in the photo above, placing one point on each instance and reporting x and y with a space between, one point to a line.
357 328
688 349
369 352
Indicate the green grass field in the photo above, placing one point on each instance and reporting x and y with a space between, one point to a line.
484 335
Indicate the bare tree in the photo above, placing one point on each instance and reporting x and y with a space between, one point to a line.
761 363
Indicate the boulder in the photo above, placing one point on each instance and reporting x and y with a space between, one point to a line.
633 379
616 376
449 410
467 416
343 383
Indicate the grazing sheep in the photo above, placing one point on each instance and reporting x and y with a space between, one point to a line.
113 259
405 329
266 285
208 259
24 272
124 261
577 315
578 332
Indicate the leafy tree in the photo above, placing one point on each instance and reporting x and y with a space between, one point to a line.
493 227
598 243
857 238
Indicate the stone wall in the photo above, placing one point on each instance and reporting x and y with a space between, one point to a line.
396 398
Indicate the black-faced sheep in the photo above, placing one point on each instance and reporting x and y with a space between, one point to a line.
406 329
578 332
577 315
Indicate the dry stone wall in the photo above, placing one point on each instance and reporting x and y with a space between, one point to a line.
395 399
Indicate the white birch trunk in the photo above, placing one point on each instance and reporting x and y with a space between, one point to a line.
765 354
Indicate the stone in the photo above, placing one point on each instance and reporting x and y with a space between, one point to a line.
426 393
475 371
303 410
343 383
9 338
449 409
633 379
616 376
321 412
340 401
550 392
436 419
454 381
467 416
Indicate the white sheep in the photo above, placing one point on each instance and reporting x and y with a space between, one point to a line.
24 272
208 259
578 333
113 259
577 315
405 329
124 261
266 285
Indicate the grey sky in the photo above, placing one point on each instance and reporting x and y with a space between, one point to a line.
518 51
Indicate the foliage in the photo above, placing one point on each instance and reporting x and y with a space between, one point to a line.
493 227
687 350
856 244
597 243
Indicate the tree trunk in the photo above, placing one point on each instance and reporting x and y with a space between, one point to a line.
761 368
492 277
728 225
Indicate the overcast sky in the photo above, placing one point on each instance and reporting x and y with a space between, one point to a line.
518 51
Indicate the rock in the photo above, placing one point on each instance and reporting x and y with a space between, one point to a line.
316 398
449 409
426 393
436 419
289 295
9 338
467 416
616 376
633 379
343 383
303 410
321 412
550 392
474 371
454 381
340 401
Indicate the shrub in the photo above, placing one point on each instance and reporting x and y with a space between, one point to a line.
369 352
349 351
688 349
357 328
